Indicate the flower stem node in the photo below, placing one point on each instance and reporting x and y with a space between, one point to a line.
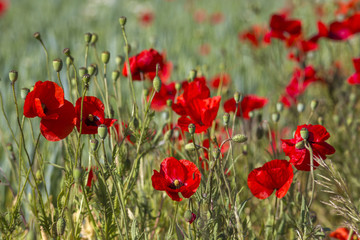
94 143
57 64
191 128
24 92
239 138
122 21
94 38
60 226
238 97
157 84
87 38
102 131
105 57
314 103
279 107
115 75
304 133
226 119
78 174
13 76
275 117
190 147
300 145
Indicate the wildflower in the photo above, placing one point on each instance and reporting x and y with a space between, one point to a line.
215 81
254 35
342 234
3 6
355 78
166 92
248 104
274 175
177 176
283 28
146 17
216 18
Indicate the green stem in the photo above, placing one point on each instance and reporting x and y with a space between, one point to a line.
308 147
47 58
81 123
170 231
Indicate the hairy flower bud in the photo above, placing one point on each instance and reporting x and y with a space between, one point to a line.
239 138
102 131
300 145
105 57
169 102
314 103
191 128
37 36
119 60
226 119
157 84
67 52
60 226
122 21
192 75
92 69
82 71
238 97
177 86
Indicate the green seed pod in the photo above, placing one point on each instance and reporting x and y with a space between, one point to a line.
94 144
191 128
300 107
122 21
60 226
169 102
13 76
87 38
190 147
67 52
226 119
86 79
82 71
304 133
314 104
94 38
78 174
275 117
37 36
300 145
115 75
57 64
192 75
105 57
321 120
168 135
93 69
177 86
238 97
119 60
102 131
279 107
239 138
157 84
24 92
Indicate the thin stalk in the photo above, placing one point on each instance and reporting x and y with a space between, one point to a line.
81 123
47 58
170 231
308 147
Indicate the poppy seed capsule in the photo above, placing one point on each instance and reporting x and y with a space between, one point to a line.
119 59
239 138
13 76
237 97
87 37
102 131
57 64
122 21
115 75
93 69
60 226
226 118
191 128
94 38
275 117
169 102
82 71
177 86
279 107
157 84
314 104
37 36
192 75
304 133
105 57
190 147
24 92
86 79
94 144
78 174
300 145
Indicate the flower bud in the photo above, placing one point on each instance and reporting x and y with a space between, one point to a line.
314 103
279 107
135 123
300 107
169 102
189 216
300 145
94 144
177 86
192 75
82 71
86 79
238 97
119 60
13 76
60 226
115 75
78 174
226 119
275 117
37 36
102 131
87 38
122 21
92 69
251 114
191 128
24 92
9 147
67 52
304 133
57 64
105 57
239 138
245 149
168 135
190 147
157 84
94 38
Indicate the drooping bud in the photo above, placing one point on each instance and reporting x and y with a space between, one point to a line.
60 226
279 107
314 103
13 76
119 60
37 36
237 97
157 84
86 79
169 102
82 71
122 21
115 75
190 147
94 38
300 145
192 75
102 131
87 38
24 92
57 64
94 144
239 138
300 107
304 133
78 174
67 52
275 117
226 119
191 128
177 86
105 57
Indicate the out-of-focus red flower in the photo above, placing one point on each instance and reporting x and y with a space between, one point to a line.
200 16
216 18
299 155
274 175
302 48
92 115
255 35
146 17
345 7
144 63
205 49
215 81
57 115
3 6
283 28
167 91
248 104
193 217
355 78
166 70
177 176
342 234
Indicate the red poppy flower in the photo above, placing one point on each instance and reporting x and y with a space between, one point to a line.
217 18
342 234
274 175
283 28
200 16
344 7
300 157
146 18
254 35
144 63
177 176
355 78
93 115
3 6
248 104
166 92
193 217
91 177
166 70
215 81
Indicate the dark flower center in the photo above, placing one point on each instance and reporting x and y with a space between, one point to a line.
176 184
92 120
44 108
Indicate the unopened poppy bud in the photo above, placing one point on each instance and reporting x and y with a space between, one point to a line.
169 102
78 174
226 118
13 76
94 144
86 79
237 97
300 145
24 92
192 75
314 103
67 52
82 71
279 107
168 135
115 75
191 128
92 69
105 57
177 86
300 107
94 38
102 131
259 132
60 226
320 120
57 64
127 48
190 147
304 133
239 138
119 60
189 216
87 37
275 117
122 21
68 61
157 84
37 36
38 175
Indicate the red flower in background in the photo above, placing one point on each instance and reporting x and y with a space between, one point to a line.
300 156
177 176
355 78
248 104
283 28
200 15
255 35
215 81
166 92
217 18
146 18
274 175
342 234
144 63
3 6
57 115
344 7
93 115
204 49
